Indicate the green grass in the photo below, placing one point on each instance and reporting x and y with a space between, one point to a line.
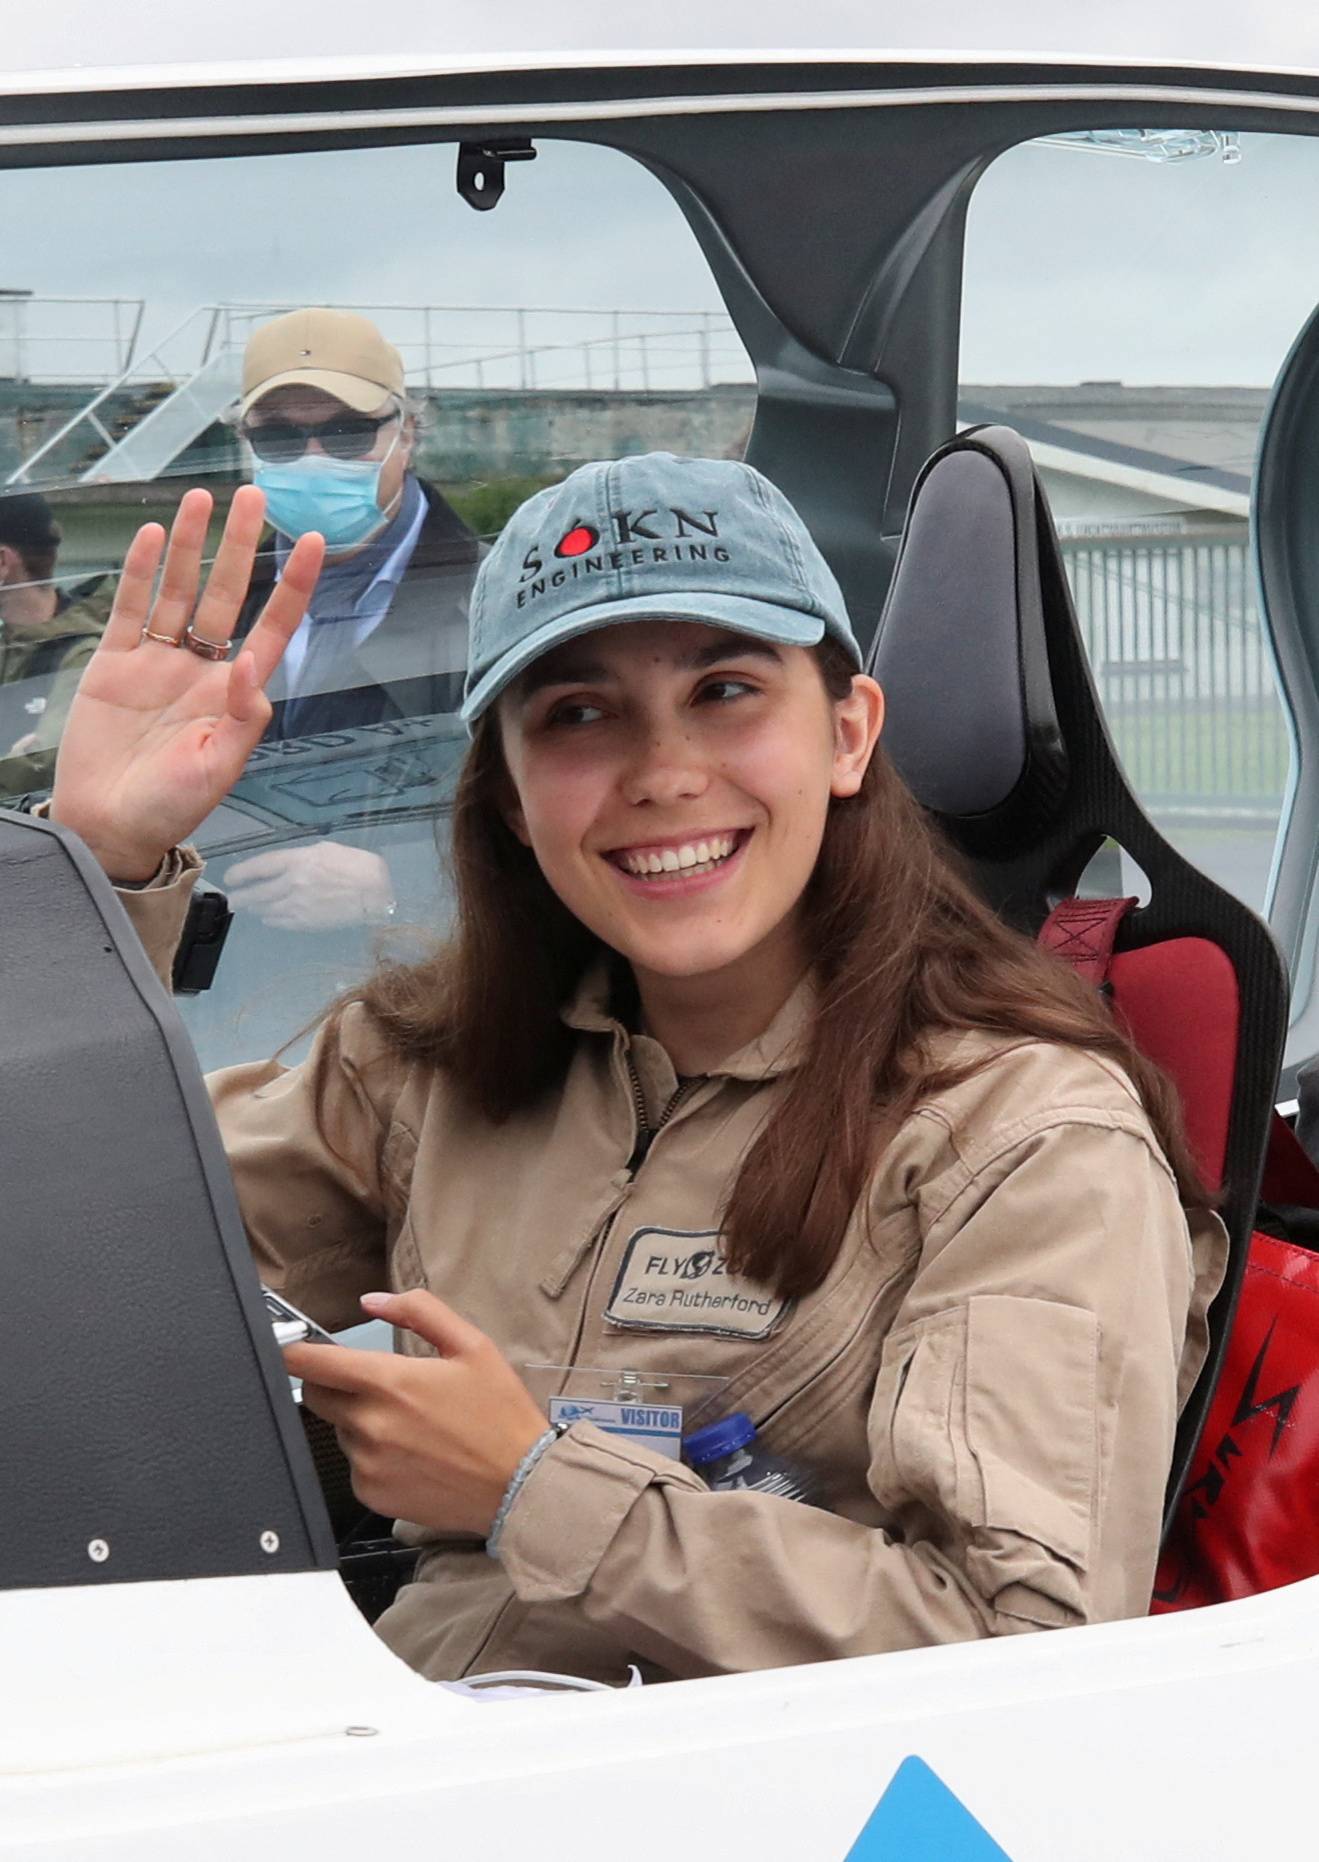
488 505
1236 754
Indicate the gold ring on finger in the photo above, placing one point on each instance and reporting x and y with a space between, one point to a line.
164 640
207 649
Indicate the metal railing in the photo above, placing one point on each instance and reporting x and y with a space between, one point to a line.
1176 645
67 339
531 347
520 349
169 364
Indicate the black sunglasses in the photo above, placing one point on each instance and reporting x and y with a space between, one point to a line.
343 436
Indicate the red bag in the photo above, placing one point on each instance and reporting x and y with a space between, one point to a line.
1248 1517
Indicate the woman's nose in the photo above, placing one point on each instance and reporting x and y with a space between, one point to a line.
666 768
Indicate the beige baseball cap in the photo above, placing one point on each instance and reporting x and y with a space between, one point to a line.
337 351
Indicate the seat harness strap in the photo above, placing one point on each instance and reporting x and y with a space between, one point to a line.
1082 933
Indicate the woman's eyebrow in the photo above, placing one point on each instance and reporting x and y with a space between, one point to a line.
555 671
560 672
732 646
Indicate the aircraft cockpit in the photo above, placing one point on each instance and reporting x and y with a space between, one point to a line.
1032 343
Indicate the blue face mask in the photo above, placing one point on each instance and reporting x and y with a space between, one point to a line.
338 497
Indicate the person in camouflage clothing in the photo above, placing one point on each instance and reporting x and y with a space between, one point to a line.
47 636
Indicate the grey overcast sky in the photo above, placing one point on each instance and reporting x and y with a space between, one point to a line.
1079 265
579 227
1083 265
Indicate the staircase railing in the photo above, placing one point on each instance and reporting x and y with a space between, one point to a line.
118 436
93 420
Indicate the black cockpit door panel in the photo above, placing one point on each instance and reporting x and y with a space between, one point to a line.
147 1430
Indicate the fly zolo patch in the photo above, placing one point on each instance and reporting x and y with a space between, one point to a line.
676 1280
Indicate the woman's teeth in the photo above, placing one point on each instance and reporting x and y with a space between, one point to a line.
693 857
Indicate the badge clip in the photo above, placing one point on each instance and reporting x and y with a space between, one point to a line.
629 1386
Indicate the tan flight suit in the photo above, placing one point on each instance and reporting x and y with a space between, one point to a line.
987 1381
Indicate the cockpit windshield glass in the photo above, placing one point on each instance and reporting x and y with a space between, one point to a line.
394 369
1130 296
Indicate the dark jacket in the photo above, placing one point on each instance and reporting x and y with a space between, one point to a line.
412 663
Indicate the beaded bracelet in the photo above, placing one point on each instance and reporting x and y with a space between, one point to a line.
515 1486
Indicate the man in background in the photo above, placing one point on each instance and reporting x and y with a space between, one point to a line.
47 636
330 437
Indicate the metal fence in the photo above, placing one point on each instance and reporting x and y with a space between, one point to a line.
530 347
1174 638
69 340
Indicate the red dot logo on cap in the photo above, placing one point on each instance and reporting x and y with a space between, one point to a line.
577 541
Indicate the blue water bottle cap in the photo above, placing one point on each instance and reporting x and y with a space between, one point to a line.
718 1439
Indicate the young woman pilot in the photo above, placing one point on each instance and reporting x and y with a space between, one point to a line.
725 1080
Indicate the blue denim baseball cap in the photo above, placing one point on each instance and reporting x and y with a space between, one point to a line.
651 537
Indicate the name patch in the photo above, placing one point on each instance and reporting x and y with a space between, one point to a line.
676 1280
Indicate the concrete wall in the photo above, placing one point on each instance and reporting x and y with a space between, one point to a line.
469 439
471 434
473 439
466 433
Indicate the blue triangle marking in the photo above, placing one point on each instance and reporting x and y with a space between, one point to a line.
919 1820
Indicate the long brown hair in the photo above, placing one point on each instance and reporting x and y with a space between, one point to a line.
902 945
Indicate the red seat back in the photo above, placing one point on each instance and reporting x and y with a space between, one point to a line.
1181 1006
1179 1001
1248 1517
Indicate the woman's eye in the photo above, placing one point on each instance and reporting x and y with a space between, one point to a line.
723 691
574 711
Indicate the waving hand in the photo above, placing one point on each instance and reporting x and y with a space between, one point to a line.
160 730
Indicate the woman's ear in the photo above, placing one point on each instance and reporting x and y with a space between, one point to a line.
858 720
516 822
509 804
504 790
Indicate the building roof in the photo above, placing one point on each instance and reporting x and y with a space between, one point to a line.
1195 444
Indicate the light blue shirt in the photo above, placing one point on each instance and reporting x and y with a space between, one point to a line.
356 594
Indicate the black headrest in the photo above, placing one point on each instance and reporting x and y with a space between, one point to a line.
961 649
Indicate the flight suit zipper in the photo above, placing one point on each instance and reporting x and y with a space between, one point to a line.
645 1137
646 1133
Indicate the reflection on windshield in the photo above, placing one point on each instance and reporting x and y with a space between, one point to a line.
330 435
48 632
391 370
304 833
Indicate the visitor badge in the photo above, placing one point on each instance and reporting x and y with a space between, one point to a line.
650 1425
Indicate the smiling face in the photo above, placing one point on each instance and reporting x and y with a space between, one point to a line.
673 779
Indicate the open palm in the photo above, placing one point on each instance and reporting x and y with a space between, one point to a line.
158 733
